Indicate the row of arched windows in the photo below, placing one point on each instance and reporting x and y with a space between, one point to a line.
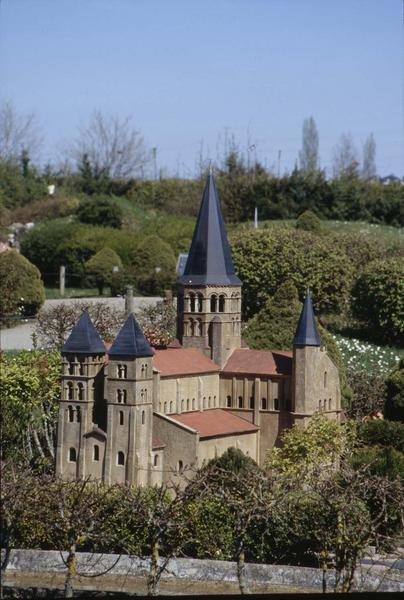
189 404
240 402
120 458
217 302
143 370
71 412
74 392
76 368
121 396
322 404
194 327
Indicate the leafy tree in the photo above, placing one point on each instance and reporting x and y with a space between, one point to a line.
158 323
233 461
382 433
102 266
102 211
308 155
304 449
265 259
29 398
21 288
378 299
394 406
153 266
54 324
368 394
308 221
369 156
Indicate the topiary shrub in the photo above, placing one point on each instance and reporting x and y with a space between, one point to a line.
378 299
265 259
102 266
153 266
101 210
394 406
308 221
21 288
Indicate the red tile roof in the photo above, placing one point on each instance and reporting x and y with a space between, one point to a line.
259 362
157 444
215 422
182 361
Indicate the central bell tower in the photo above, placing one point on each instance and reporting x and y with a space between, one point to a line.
209 297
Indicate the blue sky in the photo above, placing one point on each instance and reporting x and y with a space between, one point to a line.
188 70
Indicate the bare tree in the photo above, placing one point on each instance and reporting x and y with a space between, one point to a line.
345 157
369 158
308 155
111 146
18 133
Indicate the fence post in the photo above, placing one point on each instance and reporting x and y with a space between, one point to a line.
62 280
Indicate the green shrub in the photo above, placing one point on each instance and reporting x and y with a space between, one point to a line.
394 406
102 266
378 299
308 221
368 393
382 433
100 210
21 288
153 266
383 461
44 210
265 259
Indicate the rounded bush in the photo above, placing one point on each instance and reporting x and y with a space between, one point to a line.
308 221
153 266
102 211
378 299
102 266
21 288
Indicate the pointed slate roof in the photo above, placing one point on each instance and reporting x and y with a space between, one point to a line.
307 332
84 338
130 341
209 260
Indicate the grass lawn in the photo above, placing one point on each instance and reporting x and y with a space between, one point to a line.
54 294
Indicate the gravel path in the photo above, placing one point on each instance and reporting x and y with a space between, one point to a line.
19 337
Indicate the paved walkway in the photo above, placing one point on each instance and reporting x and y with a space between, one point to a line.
19 337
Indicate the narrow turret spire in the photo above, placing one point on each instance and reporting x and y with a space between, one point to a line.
307 332
84 338
209 260
130 341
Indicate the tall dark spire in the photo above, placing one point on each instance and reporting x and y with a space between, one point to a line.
130 341
209 260
307 332
84 338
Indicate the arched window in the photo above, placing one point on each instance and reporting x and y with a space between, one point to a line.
252 402
221 302
70 367
228 401
187 403
193 403
199 322
276 404
80 390
209 401
121 458
204 402
329 403
192 326
240 401
119 396
143 417
214 400
122 371
325 379
156 460
72 455
213 303
81 366
192 302
96 453
165 408
180 466
70 412
319 405
124 396
171 406
78 414
264 403
200 302
121 417
142 371
69 390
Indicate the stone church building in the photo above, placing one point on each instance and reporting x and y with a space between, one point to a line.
140 415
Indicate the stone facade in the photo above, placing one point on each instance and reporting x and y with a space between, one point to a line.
139 416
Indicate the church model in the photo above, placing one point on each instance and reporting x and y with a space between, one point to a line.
139 415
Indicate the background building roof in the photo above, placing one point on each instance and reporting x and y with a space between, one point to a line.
215 422
182 361
259 362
